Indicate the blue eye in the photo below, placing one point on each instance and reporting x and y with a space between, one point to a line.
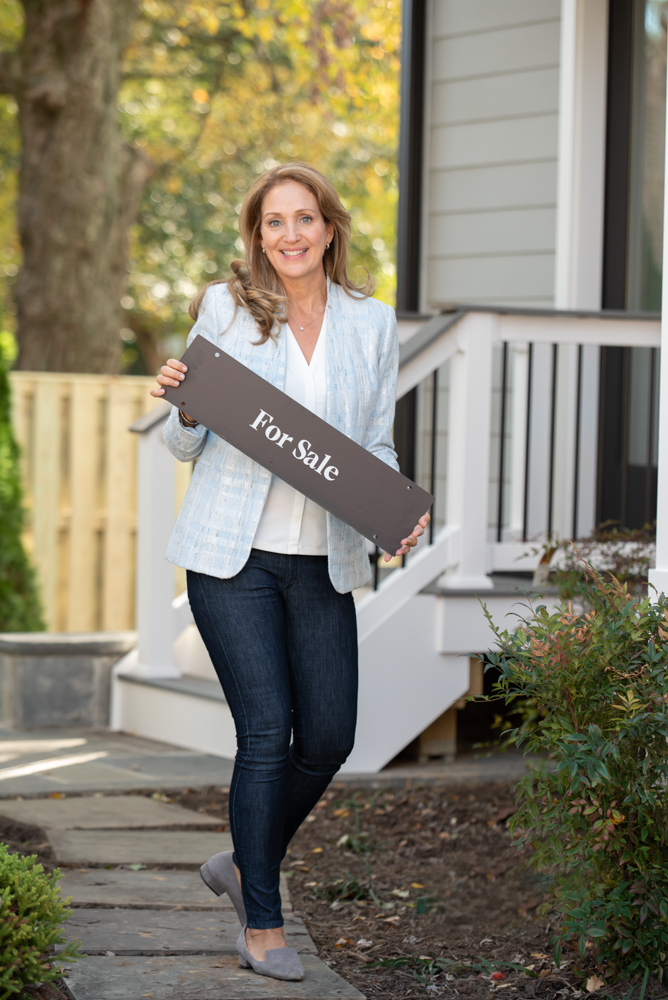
306 218
274 221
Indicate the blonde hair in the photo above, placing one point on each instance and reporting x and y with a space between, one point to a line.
255 285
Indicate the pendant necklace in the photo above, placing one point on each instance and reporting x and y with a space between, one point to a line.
309 322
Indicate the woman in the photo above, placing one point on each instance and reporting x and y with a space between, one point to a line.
270 574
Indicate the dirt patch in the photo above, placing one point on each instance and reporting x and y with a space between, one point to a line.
419 893
23 839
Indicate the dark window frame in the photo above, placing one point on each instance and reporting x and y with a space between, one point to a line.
409 220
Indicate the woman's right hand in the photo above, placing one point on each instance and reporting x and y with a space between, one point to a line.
172 373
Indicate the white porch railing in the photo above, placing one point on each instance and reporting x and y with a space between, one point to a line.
507 440
515 456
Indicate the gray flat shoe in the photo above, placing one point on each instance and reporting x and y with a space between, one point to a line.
279 963
220 876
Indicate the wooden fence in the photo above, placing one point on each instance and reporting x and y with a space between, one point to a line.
78 466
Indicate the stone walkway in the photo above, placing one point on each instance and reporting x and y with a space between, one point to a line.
159 934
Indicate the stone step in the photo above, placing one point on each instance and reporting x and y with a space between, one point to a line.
101 813
173 932
153 890
197 977
156 847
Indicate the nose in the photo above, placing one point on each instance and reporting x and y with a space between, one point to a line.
291 232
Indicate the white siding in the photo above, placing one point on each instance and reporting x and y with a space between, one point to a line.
491 138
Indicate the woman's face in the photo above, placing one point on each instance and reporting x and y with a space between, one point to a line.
293 231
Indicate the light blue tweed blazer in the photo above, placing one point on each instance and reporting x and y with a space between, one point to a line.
215 528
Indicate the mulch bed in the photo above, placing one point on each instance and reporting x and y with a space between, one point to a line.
413 892
444 900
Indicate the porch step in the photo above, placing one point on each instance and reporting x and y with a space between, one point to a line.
187 711
198 687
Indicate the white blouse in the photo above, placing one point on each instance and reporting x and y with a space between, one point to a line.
290 523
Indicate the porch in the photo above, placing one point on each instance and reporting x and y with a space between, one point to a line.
506 435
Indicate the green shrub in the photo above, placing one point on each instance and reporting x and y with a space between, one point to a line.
31 913
594 680
19 604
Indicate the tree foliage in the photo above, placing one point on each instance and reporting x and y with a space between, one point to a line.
215 93
20 609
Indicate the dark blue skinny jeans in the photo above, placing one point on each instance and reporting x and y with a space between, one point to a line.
284 645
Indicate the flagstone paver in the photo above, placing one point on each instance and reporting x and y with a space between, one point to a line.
197 977
136 932
146 889
103 812
154 847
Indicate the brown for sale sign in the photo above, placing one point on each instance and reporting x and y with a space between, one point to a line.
298 446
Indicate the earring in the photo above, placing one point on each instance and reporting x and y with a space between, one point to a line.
263 250
326 246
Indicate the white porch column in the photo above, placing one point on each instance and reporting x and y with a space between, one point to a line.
581 171
658 577
155 578
467 500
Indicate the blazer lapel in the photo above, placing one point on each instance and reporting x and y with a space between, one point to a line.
269 360
340 383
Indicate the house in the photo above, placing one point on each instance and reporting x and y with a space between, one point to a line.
530 247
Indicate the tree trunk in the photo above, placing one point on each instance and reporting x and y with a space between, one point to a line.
80 185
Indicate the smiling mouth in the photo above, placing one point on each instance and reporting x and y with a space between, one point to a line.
294 253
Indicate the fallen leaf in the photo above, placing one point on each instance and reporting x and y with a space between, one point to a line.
402 893
342 942
56 795
364 943
593 984
342 812
317 850
417 885
497 977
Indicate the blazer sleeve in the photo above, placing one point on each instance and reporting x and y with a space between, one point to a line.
379 434
186 443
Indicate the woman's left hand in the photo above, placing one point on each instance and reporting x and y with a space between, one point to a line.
408 543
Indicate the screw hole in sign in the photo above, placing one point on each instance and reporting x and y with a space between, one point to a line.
375 537
217 354
409 487
183 402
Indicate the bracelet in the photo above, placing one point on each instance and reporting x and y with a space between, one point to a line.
186 422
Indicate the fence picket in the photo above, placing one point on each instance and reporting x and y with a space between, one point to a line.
84 453
46 463
120 489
